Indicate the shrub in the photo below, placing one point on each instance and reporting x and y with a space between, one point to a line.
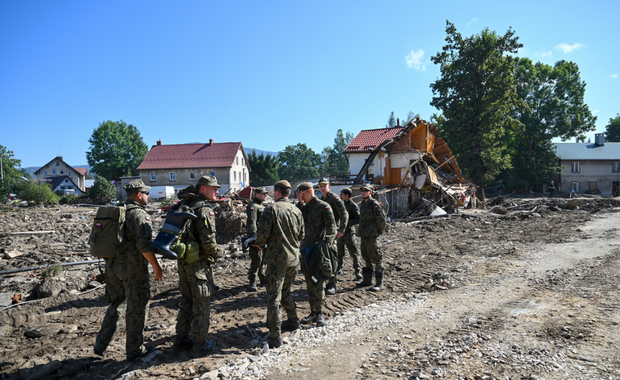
38 193
102 191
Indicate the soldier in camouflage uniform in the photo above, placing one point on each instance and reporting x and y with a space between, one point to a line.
372 224
254 211
196 278
281 227
348 239
319 225
341 217
127 277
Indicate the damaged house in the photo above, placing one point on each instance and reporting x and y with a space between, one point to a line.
415 169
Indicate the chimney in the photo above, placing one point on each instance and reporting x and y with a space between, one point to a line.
158 142
210 141
599 139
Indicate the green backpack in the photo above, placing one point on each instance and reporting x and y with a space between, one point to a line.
107 235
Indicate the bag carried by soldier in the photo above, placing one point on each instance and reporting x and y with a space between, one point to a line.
107 235
175 239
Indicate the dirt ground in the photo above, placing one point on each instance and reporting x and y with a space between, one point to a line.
528 293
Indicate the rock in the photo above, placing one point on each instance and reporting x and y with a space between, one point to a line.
6 299
49 288
43 330
499 210
13 254
212 375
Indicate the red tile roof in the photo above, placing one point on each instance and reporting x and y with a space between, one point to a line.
367 140
190 156
82 171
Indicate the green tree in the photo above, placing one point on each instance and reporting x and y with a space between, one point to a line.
552 107
38 193
391 121
298 162
264 169
103 191
116 149
334 161
477 95
612 130
11 173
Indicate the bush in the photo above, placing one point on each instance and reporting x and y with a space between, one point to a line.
102 191
38 193
70 199
51 271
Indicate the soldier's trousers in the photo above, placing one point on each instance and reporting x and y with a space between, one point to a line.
316 290
196 292
371 252
348 240
257 267
278 288
128 293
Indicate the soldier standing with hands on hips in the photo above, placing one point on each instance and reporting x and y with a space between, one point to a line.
254 211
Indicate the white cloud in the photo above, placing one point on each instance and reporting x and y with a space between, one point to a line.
547 54
472 22
414 60
566 48
615 76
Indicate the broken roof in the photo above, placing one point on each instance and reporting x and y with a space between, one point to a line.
367 140
197 155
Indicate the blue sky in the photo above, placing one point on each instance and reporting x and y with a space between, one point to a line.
266 73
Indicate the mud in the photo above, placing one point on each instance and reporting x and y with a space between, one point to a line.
448 259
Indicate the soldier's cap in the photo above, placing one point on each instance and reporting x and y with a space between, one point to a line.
368 187
136 186
323 181
207 180
261 190
304 186
284 184
346 191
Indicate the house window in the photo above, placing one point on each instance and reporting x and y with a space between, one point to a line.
45 173
66 181
53 171
615 167
173 176
574 187
235 176
213 174
192 176
241 161
575 167
57 163
237 160
62 172
62 187
69 174
153 177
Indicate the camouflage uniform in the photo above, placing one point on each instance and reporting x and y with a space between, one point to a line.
128 283
196 279
281 227
254 211
320 225
372 224
348 238
341 216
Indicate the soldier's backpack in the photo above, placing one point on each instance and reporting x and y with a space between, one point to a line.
107 235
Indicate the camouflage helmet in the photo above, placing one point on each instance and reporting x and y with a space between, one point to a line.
207 180
136 186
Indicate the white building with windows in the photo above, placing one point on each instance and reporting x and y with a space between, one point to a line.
57 168
180 165
589 167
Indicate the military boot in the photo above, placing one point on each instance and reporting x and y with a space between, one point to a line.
379 279
252 287
309 319
367 274
182 343
320 319
291 324
275 342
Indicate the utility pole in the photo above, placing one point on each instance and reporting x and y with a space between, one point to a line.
1 169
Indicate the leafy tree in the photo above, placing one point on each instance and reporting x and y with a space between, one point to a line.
334 161
298 162
391 121
116 149
102 191
264 169
38 193
11 172
477 95
552 107
612 130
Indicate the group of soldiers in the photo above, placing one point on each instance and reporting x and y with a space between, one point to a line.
312 233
